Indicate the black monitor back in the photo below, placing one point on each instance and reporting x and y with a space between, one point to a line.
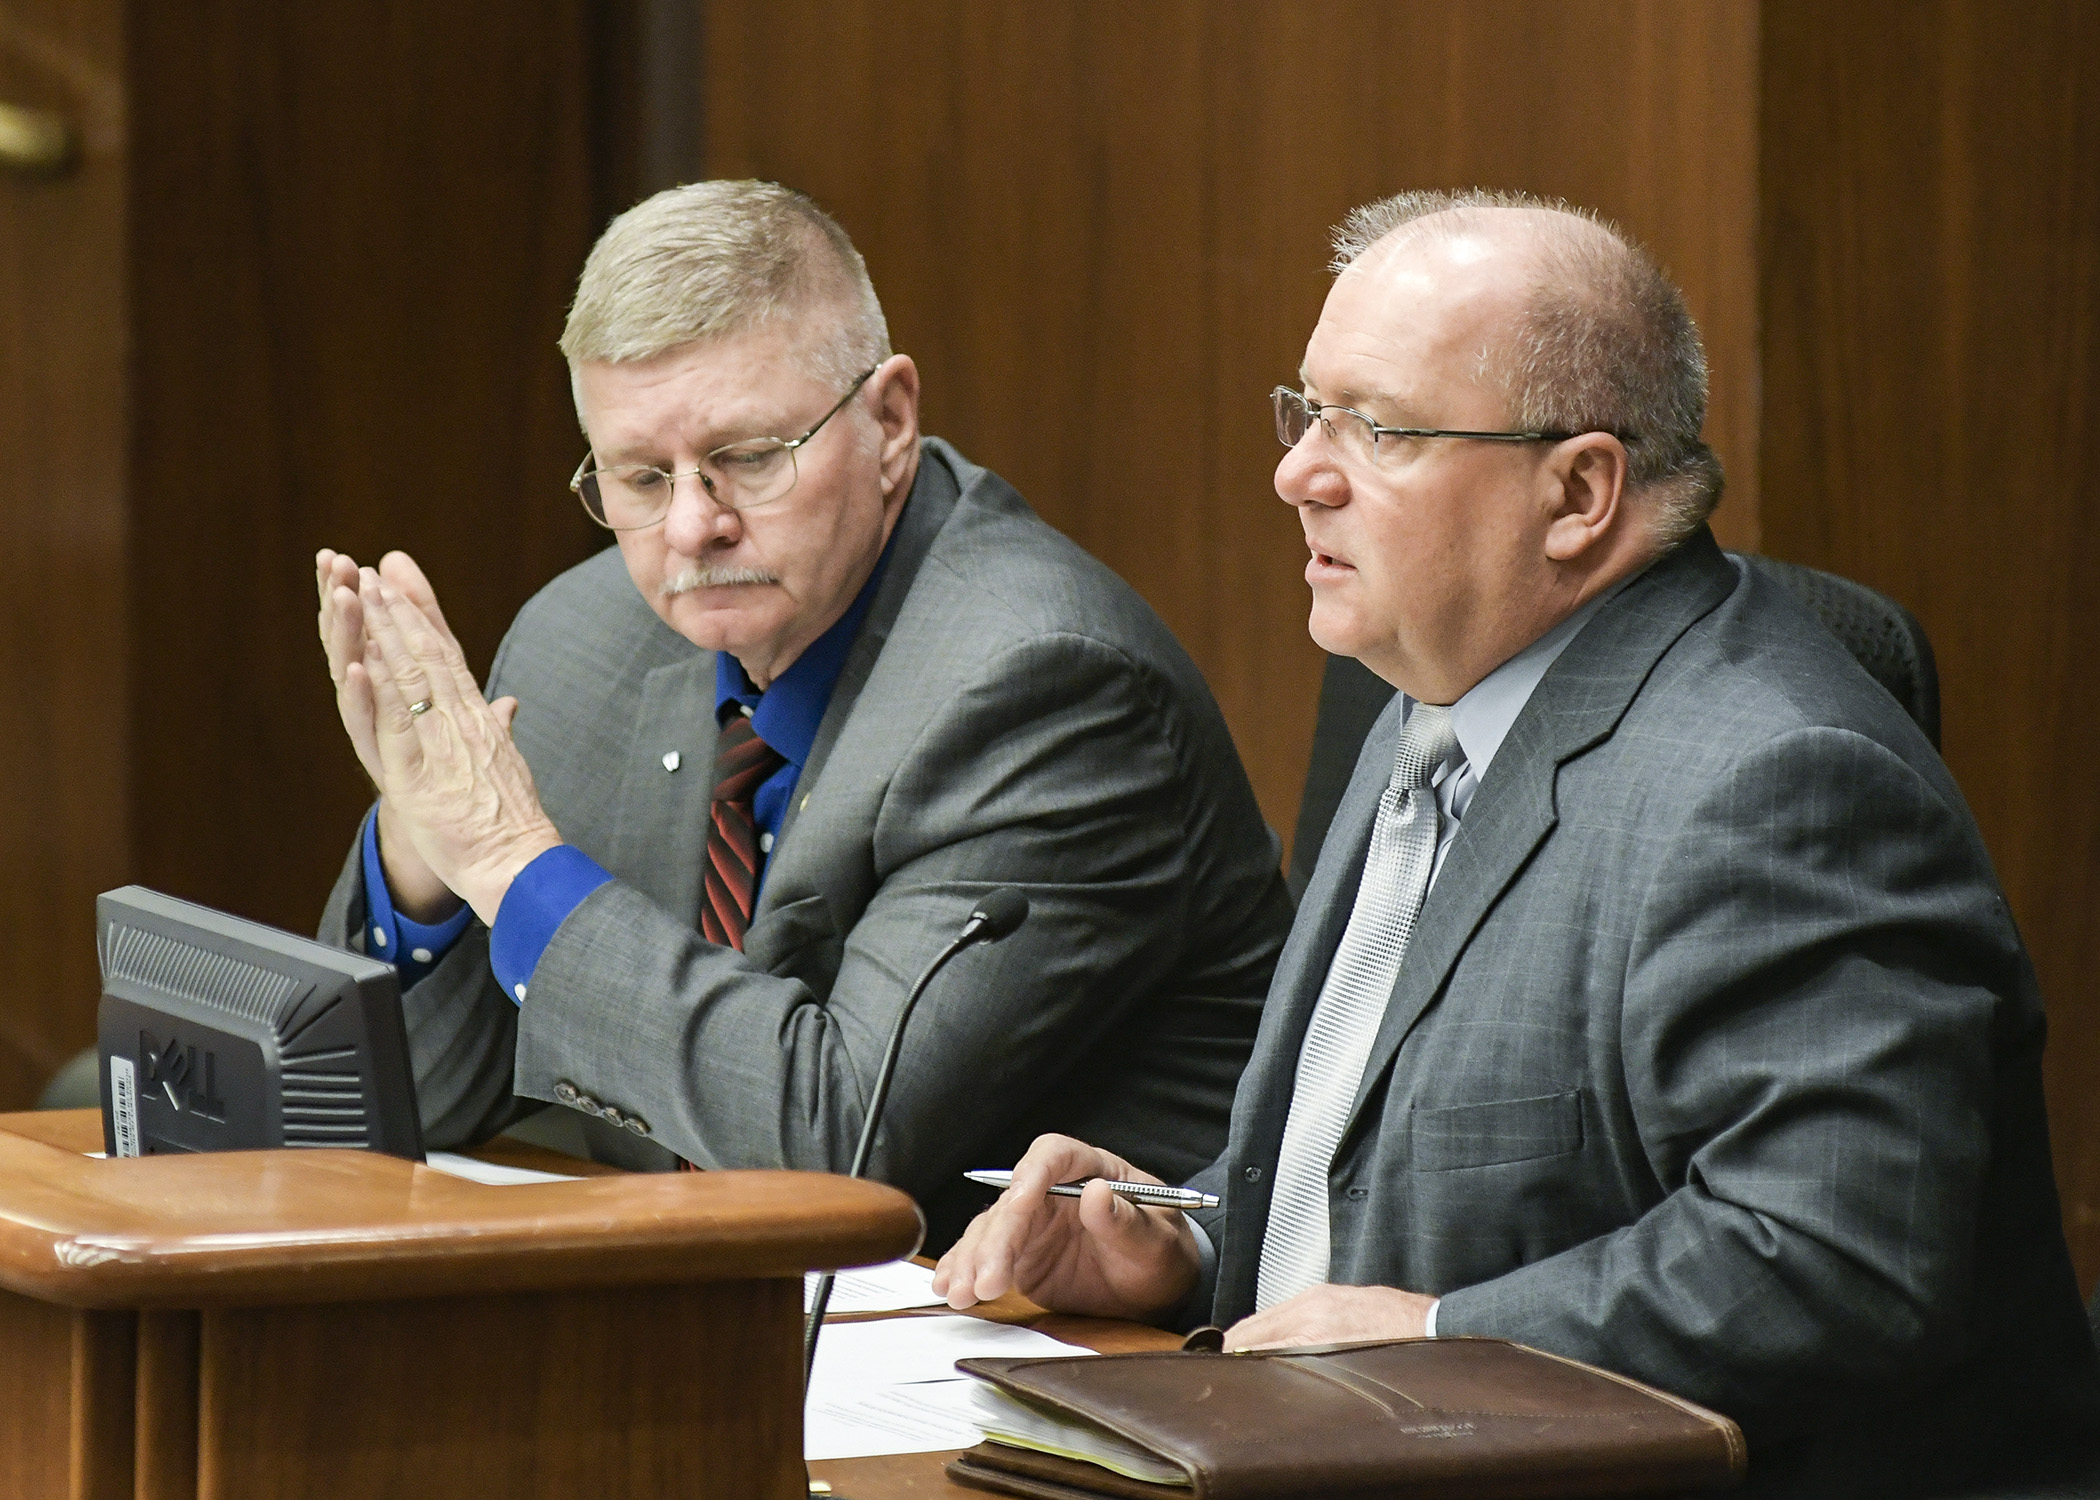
221 1034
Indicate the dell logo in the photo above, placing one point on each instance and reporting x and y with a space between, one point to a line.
178 1072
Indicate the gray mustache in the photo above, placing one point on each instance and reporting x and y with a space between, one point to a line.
713 576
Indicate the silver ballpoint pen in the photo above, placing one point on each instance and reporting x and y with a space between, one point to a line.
1154 1194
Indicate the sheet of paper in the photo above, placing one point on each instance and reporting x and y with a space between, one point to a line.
488 1172
891 1386
887 1288
930 1417
860 1357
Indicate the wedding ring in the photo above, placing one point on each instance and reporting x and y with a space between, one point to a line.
420 706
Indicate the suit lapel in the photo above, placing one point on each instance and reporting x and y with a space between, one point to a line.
796 870
1579 702
663 812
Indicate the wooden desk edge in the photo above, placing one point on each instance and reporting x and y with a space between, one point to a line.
66 1238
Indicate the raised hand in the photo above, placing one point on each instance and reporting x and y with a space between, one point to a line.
459 791
1093 1254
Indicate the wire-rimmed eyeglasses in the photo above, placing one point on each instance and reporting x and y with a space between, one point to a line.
1354 432
737 476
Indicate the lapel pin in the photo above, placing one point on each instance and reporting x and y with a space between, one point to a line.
670 760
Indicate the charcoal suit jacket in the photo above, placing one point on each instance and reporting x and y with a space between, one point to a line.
1011 714
1715 1058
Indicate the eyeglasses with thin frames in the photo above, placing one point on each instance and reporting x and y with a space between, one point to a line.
740 475
1358 434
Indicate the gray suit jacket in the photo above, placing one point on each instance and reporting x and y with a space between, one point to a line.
1012 713
1715 1059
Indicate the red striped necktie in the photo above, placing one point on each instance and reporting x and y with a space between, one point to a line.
729 890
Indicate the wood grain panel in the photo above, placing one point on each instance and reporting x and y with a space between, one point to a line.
35 1399
99 1445
65 1401
1101 229
1931 243
690 1391
165 1406
355 234
65 605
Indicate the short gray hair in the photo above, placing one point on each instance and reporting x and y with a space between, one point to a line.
712 259
1604 344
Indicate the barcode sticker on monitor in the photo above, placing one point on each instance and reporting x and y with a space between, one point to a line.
124 1104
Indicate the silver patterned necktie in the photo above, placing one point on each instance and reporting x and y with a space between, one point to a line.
1294 1251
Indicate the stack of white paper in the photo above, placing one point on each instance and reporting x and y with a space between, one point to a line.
891 1386
887 1288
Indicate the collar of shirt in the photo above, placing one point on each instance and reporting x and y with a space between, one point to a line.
1484 714
786 714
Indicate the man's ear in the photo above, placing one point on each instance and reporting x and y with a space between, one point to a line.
896 386
1585 482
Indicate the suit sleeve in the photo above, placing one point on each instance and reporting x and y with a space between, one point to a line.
1056 770
1822 975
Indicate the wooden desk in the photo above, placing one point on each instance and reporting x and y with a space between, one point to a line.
323 1324
919 1476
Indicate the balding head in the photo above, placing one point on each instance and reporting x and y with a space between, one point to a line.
1598 338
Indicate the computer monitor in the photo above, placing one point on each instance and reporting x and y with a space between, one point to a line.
221 1034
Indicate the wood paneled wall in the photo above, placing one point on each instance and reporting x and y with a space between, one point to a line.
65 600
303 290
1101 230
355 229
1931 267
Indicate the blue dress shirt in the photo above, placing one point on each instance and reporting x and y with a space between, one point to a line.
784 715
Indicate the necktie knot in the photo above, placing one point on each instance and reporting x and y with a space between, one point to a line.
1426 743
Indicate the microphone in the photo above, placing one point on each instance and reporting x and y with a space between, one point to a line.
994 916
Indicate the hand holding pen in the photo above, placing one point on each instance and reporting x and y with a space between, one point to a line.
1151 1194
1110 1258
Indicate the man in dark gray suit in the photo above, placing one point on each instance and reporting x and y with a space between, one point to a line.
1653 1001
829 690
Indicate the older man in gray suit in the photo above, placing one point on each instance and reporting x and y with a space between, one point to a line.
1653 1001
835 683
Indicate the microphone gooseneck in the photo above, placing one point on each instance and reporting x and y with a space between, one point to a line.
992 918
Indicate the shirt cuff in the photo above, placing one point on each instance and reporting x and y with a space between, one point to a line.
1429 1319
533 909
411 947
1206 1254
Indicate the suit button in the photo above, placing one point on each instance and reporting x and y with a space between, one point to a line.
565 1091
1252 1174
637 1124
589 1105
1357 1193
613 1117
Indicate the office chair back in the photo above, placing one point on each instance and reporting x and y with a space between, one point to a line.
1885 637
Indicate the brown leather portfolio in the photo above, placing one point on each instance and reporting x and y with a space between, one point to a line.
1465 1418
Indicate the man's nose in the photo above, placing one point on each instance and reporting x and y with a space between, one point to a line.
696 520
1308 475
